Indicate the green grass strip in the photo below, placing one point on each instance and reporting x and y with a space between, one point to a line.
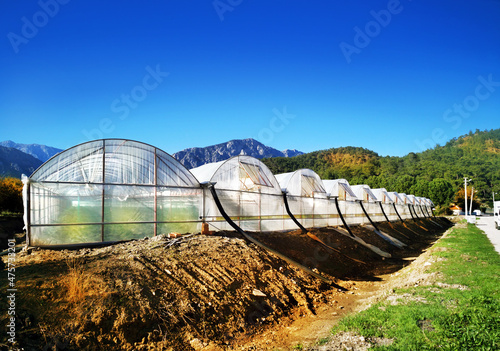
460 310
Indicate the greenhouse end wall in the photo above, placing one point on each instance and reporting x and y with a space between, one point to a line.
110 190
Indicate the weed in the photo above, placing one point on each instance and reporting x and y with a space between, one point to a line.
323 341
79 284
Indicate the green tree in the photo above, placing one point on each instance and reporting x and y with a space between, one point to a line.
440 191
11 197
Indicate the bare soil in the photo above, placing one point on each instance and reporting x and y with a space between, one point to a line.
201 292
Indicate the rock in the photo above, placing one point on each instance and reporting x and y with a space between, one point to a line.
257 292
197 344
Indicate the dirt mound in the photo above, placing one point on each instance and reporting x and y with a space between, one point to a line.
195 292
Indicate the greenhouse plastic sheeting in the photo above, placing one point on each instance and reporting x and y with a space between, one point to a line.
387 203
347 200
110 190
307 198
249 194
370 202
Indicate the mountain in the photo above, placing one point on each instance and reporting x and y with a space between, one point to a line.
13 162
436 173
41 152
197 156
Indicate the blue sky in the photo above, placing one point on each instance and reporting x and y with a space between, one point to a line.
391 76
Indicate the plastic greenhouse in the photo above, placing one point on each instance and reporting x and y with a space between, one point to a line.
248 192
407 210
306 196
420 204
414 206
347 200
370 202
386 202
110 190
398 205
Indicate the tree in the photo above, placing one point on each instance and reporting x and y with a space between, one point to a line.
11 194
404 183
440 191
420 188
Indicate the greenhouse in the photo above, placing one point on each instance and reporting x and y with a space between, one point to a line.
107 191
306 197
406 208
369 201
387 203
398 203
248 192
414 206
347 201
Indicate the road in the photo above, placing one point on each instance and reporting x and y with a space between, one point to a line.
487 224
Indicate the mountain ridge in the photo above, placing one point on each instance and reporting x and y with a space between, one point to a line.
41 152
14 163
197 156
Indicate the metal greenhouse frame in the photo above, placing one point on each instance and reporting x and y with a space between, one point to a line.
109 190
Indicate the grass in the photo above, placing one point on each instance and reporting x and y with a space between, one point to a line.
10 214
80 285
459 311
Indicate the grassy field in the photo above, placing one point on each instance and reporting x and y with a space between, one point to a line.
457 310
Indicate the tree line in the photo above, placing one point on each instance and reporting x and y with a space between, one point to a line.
436 173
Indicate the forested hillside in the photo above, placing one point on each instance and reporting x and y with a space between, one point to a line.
435 173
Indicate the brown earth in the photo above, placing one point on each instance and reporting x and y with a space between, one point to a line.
204 292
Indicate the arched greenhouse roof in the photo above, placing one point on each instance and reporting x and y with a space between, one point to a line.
334 187
396 198
115 161
242 173
364 192
406 199
412 199
382 195
302 182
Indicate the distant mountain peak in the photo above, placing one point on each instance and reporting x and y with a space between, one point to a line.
197 156
14 162
41 152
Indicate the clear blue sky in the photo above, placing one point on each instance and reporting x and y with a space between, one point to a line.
391 76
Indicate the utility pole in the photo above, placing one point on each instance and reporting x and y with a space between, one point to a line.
470 205
466 180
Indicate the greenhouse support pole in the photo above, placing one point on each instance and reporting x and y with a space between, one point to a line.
258 243
103 187
342 217
382 208
156 195
28 213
